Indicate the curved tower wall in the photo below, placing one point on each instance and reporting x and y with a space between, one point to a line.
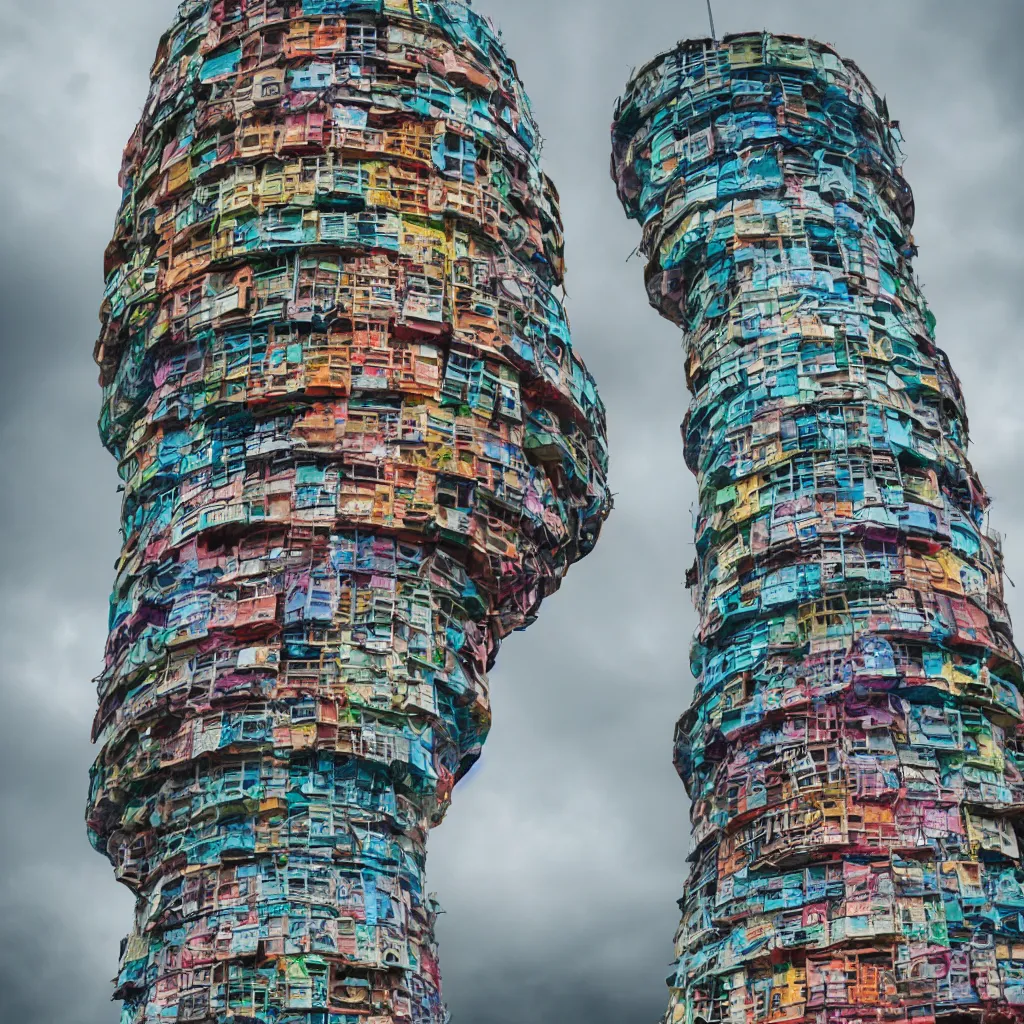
357 450
853 751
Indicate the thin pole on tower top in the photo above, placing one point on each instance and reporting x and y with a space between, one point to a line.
711 18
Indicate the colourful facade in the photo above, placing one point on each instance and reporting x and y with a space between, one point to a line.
853 753
357 451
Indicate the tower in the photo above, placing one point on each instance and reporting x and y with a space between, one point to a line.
853 750
357 450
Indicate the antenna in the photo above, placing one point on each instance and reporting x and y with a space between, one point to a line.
711 18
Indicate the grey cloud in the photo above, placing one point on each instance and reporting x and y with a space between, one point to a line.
565 850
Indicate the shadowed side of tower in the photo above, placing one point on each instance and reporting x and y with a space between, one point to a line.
853 752
358 450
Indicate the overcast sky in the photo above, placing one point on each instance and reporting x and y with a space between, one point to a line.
565 851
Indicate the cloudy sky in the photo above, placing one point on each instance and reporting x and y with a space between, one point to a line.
565 851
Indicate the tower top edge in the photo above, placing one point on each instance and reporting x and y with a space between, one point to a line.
734 39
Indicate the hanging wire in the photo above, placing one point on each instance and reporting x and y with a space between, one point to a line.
711 18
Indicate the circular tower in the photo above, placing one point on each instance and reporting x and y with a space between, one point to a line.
853 750
357 451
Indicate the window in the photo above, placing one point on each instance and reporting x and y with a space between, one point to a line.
362 37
